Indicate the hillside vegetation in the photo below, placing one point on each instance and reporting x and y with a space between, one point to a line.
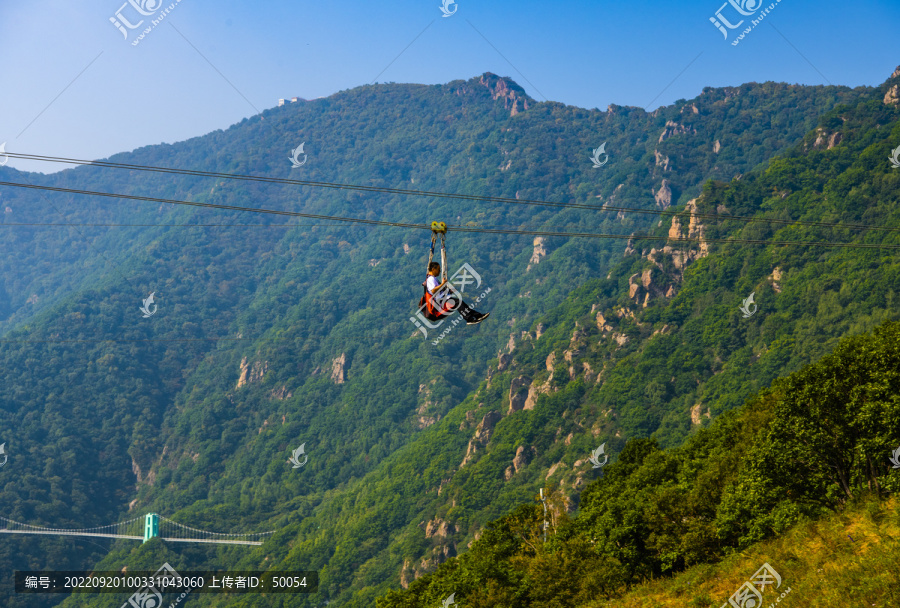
269 337
814 444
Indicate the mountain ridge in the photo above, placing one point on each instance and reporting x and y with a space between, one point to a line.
207 446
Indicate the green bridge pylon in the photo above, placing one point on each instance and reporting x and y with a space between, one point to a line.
151 526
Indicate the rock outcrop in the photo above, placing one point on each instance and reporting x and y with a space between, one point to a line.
695 230
824 138
538 252
892 97
514 97
776 277
482 436
661 161
695 414
251 373
663 196
281 393
338 369
439 527
673 128
518 393
520 460
643 289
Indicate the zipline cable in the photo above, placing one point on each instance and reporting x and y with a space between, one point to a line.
5 224
458 229
467 197
123 340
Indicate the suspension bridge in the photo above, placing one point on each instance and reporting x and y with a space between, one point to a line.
143 528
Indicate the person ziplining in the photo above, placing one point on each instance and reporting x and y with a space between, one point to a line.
440 298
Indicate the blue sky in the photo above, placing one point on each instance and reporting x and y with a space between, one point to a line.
74 86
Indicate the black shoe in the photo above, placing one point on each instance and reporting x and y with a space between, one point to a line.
478 320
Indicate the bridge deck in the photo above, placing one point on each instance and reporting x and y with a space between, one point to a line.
218 542
64 533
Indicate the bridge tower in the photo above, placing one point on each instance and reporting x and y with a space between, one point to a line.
151 526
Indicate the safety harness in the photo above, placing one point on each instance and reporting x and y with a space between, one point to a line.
434 311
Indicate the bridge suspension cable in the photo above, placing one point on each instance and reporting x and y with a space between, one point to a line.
173 531
126 529
142 528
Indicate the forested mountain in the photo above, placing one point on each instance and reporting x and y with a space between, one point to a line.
813 444
662 346
268 336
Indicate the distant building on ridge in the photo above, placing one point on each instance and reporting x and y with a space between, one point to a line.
281 102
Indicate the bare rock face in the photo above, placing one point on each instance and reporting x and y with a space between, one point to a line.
523 457
820 137
776 277
438 527
538 252
439 555
589 372
251 374
281 393
514 98
632 285
643 288
695 230
482 436
139 474
554 468
407 575
717 147
663 197
531 400
892 97
621 339
423 422
829 140
337 369
661 161
518 393
695 414
602 325
673 128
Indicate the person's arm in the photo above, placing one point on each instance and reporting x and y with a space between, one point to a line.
436 289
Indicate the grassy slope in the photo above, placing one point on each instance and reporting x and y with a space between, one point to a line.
846 559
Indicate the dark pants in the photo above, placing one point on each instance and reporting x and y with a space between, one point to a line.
467 313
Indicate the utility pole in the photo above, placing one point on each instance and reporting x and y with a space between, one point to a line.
546 525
